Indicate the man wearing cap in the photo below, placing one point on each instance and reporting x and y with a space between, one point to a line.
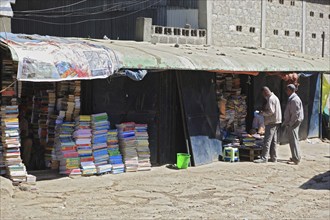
293 116
272 118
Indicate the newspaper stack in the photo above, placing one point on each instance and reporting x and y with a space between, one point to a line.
68 156
83 138
100 127
141 133
115 158
17 172
127 143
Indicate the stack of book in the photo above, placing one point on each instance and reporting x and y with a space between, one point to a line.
11 143
7 74
83 138
69 108
106 168
141 133
17 172
67 153
115 158
100 127
2 160
51 118
127 143
88 168
42 120
77 89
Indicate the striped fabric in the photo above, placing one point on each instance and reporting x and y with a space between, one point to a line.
5 8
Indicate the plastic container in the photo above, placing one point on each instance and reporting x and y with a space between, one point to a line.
182 160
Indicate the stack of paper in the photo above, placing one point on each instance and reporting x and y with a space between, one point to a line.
88 168
68 156
141 133
127 143
115 158
100 127
83 137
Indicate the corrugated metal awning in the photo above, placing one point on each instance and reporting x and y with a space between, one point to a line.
143 55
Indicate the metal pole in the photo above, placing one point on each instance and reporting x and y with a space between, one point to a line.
323 37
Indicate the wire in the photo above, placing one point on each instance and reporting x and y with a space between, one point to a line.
86 13
75 10
87 20
50 9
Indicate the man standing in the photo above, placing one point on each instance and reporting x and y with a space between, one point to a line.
273 118
293 116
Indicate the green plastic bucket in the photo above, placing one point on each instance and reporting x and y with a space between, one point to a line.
182 160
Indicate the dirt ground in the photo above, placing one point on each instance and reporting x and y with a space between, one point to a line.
216 191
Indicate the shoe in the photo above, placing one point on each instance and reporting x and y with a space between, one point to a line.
273 160
260 161
293 162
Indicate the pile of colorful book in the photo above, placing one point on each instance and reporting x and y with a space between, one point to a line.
83 137
68 155
115 158
142 146
11 143
100 127
127 143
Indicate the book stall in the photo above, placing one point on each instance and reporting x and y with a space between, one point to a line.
59 136
232 105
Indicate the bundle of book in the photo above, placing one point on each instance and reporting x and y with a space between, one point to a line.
127 143
10 138
50 123
100 128
66 148
8 76
83 138
232 104
115 157
143 151
76 93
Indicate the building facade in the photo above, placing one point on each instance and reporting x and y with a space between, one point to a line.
288 25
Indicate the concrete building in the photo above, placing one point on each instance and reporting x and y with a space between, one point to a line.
289 25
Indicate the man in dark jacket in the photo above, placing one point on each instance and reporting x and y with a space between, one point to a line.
293 116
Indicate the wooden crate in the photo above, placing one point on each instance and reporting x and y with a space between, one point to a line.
249 153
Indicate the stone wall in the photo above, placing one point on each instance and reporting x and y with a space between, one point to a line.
232 21
284 25
317 25
287 26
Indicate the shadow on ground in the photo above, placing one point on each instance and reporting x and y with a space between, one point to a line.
318 182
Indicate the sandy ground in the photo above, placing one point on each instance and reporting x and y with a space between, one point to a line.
217 191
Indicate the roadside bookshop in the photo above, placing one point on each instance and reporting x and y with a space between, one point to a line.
92 107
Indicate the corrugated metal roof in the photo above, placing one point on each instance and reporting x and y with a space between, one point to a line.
143 55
